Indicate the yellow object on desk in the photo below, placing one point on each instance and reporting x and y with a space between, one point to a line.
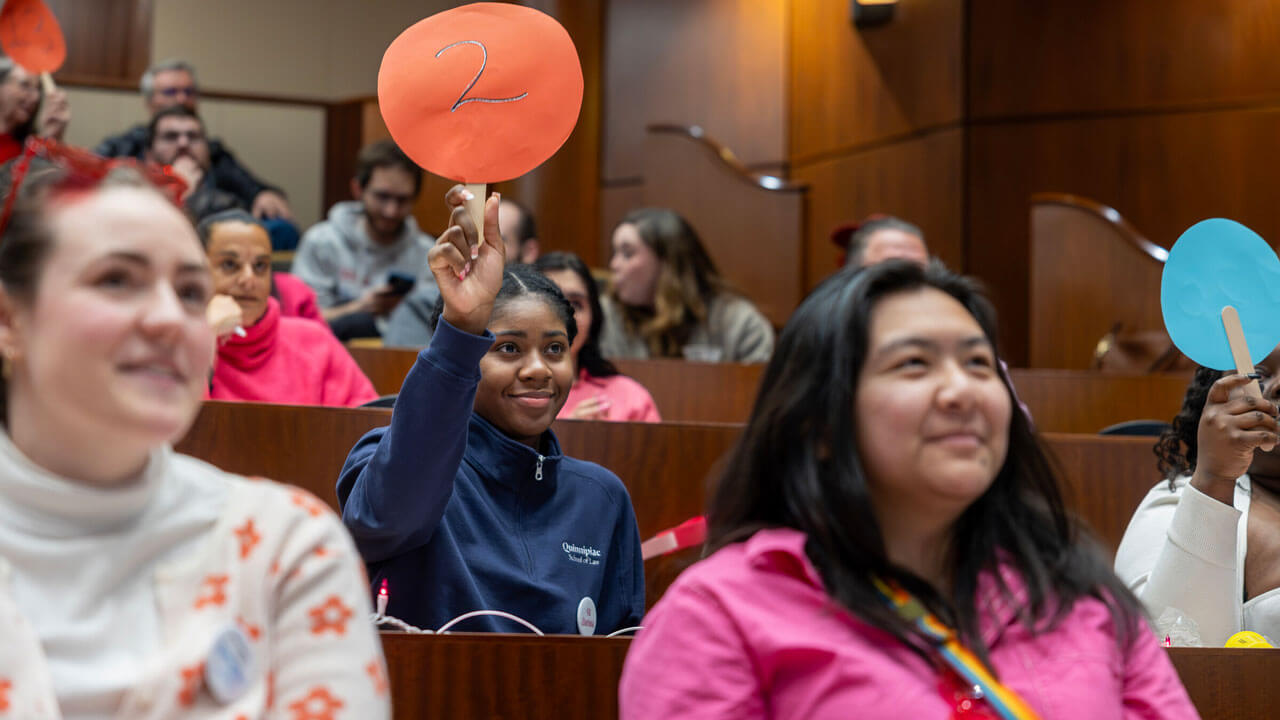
1248 639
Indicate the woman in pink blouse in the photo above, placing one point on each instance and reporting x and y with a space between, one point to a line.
600 392
888 540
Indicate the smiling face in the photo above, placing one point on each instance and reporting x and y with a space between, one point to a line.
526 375
112 353
19 98
932 413
240 256
635 267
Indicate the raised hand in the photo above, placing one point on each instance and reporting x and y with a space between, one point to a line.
468 264
1232 427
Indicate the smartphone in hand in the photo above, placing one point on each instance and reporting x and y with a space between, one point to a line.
399 283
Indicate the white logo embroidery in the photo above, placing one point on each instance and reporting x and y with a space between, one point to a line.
586 555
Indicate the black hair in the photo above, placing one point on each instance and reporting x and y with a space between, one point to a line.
204 228
589 356
796 466
1171 458
171 111
523 281
381 154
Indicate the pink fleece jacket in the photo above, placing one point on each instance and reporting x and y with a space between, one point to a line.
751 633
628 400
297 299
288 360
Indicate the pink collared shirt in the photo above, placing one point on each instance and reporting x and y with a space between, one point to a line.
628 400
751 633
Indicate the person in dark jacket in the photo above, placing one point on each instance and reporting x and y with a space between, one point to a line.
466 502
173 83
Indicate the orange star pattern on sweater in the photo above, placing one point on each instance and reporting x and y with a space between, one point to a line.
216 591
376 674
249 538
332 615
308 502
317 705
190 684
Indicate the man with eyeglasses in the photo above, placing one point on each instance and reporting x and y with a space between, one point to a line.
172 83
369 252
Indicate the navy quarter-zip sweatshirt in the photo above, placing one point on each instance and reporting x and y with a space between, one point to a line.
456 516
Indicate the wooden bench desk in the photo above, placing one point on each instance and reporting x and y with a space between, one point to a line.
565 677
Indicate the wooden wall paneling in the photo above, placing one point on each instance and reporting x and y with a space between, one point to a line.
1071 310
1109 55
108 41
1229 684
564 192
344 129
852 86
720 64
1163 172
919 180
753 234
616 200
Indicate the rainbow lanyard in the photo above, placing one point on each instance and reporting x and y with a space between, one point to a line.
1004 701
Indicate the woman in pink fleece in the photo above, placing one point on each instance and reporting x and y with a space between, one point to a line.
889 541
264 356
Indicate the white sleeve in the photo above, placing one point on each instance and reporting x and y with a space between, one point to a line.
1180 551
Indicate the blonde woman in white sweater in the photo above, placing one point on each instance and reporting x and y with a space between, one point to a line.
135 582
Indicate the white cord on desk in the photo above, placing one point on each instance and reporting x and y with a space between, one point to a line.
379 619
616 633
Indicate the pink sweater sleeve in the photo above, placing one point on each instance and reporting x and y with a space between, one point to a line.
345 384
690 661
1151 685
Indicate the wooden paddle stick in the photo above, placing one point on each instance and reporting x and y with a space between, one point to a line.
475 206
1240 349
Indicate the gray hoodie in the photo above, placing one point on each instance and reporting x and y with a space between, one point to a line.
339 261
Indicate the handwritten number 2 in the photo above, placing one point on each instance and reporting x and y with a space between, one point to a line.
463 99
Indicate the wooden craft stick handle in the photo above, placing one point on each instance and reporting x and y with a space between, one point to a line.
1239 349
475 206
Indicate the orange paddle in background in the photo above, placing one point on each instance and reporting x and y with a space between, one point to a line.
481 93
31 35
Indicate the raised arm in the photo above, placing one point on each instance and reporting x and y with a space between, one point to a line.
397 480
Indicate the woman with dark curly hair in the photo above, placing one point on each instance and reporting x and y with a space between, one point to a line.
1205 542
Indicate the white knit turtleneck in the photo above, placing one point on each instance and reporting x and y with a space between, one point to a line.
83 561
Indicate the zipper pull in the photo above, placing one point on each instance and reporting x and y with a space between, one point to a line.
537 473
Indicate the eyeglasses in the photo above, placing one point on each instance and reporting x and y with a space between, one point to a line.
176 135
170 92
82 171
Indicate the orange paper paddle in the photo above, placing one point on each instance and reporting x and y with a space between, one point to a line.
31 35
481 93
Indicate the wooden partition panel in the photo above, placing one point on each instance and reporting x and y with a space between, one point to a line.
1090 269
1104 479
1080 401
752 229
470 676
1164 172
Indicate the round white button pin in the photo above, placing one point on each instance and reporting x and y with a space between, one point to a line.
587 616
227 671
